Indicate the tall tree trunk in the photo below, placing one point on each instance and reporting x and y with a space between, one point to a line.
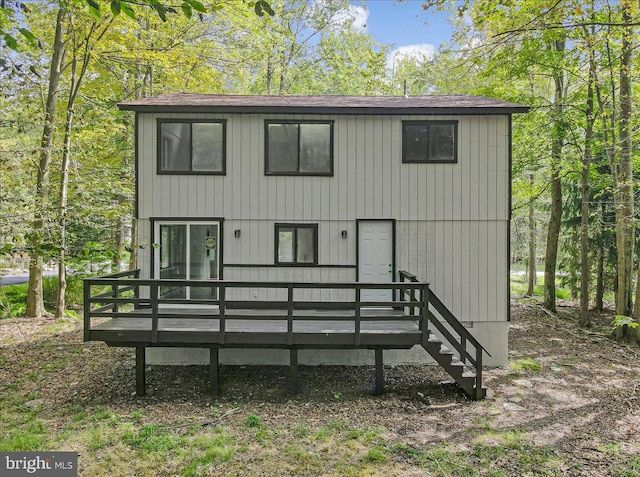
532 273
551 254
600 273
585 320
625 225
77 78
35 302
62 214
118 237
269 75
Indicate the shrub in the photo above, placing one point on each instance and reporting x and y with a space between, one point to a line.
13 300
74 293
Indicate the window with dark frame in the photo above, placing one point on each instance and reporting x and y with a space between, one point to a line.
299 148
430 141
296 244
191 147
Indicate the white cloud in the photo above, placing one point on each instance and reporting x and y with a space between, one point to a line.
420 52
353 14
360 16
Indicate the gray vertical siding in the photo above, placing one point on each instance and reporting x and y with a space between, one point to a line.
451 219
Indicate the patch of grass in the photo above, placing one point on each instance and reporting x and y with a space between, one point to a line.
630 469
519 286
209 452
101 414
366 435
325 432
525 364
153 439
610 448
36 427
510 446
300 431
376 455
21 441
96 439
253 421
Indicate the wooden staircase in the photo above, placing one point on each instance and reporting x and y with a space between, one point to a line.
441 331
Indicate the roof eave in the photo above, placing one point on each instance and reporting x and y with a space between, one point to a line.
323 110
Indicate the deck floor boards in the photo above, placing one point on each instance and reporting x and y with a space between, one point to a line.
335 325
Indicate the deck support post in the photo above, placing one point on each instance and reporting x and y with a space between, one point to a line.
140 373
293 370
214 371
379 389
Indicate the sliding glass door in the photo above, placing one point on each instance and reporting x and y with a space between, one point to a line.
187 251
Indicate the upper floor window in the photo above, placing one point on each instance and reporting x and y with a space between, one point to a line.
430 141
296 244
299 148
191 147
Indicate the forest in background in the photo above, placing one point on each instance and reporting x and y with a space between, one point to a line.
66 152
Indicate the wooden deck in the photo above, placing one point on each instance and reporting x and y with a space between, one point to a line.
311 328
123 310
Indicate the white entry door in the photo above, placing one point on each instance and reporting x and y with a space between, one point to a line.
375 257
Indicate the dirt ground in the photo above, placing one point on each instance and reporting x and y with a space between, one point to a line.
573 393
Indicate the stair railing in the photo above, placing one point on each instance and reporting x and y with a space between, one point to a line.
456 335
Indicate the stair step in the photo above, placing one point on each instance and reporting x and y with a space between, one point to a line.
469 374
445 350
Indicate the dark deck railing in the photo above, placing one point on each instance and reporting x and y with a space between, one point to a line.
125 295
455 334
145 301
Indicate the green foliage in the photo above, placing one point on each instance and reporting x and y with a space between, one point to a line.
162 8
21 441
74 293
375 456
525 364
211 456
13 299
629 469
253 421
621 320
153 439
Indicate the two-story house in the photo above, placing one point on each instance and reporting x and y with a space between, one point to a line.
331 188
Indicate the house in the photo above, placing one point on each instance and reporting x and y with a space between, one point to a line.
327 189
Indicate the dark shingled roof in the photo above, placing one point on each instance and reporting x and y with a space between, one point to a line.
215 103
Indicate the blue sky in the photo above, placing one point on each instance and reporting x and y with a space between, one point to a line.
404 24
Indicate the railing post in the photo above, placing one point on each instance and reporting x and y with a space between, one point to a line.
290 314
222 306
87 309
136 289
357 316
140 371
479 392
424 311
413 297
463 354
153 296
115 289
